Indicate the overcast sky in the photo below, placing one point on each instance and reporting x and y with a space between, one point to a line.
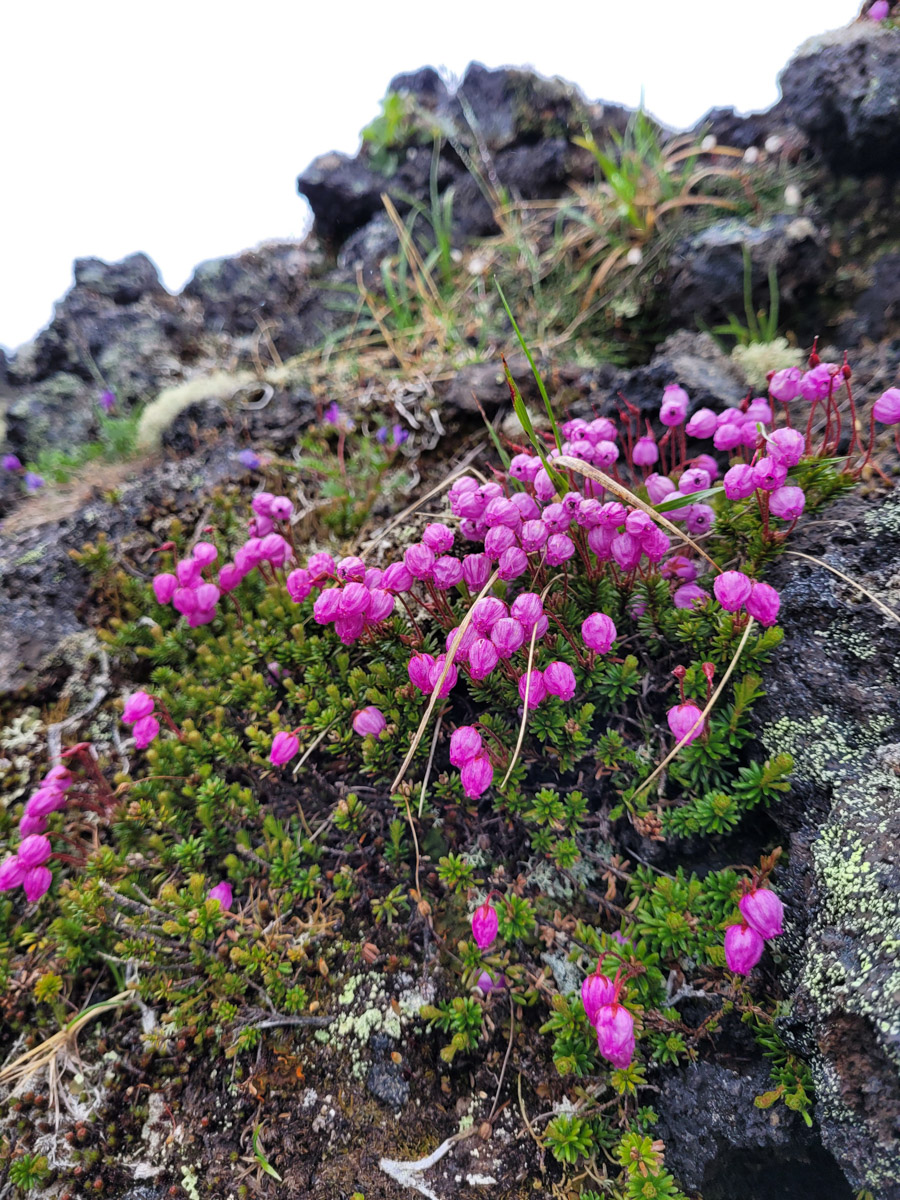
178 127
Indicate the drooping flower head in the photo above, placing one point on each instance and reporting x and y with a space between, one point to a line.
465 744
596 991
598 632
223 893
743 948
732 589
685 722
615 1034
763 911
477 775
485 924
369 722
284 747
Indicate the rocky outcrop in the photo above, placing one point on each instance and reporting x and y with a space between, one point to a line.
833 701
843 91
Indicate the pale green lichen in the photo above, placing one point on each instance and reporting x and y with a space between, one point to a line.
757 359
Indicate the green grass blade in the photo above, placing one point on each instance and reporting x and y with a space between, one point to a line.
531 363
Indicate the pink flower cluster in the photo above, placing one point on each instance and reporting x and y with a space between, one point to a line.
139 713
613 1022
734 591
27 867
190 589
358 598
468 753
763 914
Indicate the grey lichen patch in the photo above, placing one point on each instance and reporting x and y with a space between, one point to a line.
365 1008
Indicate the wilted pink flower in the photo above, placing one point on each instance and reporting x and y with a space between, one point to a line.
762 910
685 722
615 1034
485 923
887 407
689 595
763 603
369 722
483 657
465 744
419 669
284 747
223 893
596 992
34 851
533 682
732 589
787 503
138 704
145 730
36 882
598 632
559 680
164 586
743 948
12 872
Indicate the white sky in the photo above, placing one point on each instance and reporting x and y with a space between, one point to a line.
177 127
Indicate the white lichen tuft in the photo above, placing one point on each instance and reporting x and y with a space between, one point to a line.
161 412
759 358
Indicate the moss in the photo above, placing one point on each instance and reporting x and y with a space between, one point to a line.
161 412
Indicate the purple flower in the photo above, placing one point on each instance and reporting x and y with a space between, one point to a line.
879 11
598 632
673 409
419 670
596 992
887 407
298 583
285 746
698 518
683 721
448 572
787 503
34 851
327 606
33 482
658 488
556 518
645 453
787 446
107 401
483 657
689 595
528 507
785 385
615 1034
486 612
12 872
369 721
438 537
332 414
397 578
437 670
507 636
476 776
355 600
465 744
769 474
498 539
229 577
145 731
533 535
743 948
223 893
476 571
560 549
702 424
559 680
694 479
381 605
527 608
533 682
739 482
138 705
11 462
763 911
36 882
419 560
249 459
30 824
164 587
321 565
763 603
45 801
732 589
485 923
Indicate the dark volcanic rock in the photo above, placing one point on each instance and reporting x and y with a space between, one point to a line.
876 311
706 275
720 1144
692 359
122 282
833 701
843 90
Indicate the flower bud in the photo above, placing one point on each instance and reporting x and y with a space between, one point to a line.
284 747
559 680
685 722
596 991
164 586
560 549
528 508
763 603
223 893
188 573
732 589
527 608
498 539
763 911
486 612
262 504
646 452
438 537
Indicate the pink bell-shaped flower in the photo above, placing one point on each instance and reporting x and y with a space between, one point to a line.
223 893
615 1034
743 948
485 924
284 747
477 776
763 911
